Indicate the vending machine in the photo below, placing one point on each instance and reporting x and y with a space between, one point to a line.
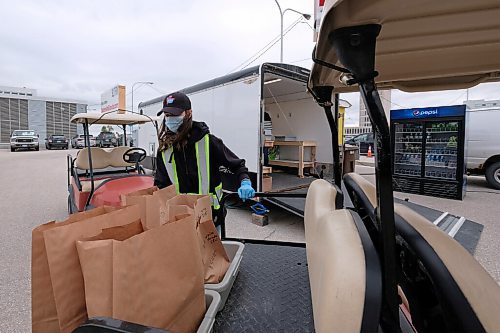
428 146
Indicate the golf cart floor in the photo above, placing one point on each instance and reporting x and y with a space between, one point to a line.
270 294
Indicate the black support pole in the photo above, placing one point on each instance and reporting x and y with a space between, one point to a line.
385 200
323 95
86 133
337 170
355 48
124 135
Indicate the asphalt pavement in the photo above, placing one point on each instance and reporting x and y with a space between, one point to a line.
34 191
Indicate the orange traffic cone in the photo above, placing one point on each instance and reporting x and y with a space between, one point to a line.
370 151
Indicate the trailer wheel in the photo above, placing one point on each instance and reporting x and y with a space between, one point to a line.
493 175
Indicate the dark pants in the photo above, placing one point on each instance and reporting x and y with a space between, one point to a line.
219 215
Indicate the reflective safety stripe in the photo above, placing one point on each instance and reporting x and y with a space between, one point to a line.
217 196
171 167
202 149
203 160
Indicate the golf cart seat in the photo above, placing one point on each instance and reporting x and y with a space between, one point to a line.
468 297
102 158
344 269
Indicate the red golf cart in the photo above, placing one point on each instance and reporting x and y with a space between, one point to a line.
98 176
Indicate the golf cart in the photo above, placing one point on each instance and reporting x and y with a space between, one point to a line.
97 176
377 266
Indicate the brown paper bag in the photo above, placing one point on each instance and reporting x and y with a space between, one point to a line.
43 307
215 259
154 278
64 265
175 213
138 193
150 201
96 260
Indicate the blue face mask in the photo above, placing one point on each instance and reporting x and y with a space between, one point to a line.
173 123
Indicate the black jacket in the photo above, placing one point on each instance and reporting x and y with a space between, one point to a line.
187 169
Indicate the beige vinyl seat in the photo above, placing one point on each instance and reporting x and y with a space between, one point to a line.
468 297
344 270
101 159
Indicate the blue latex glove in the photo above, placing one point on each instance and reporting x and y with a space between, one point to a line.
246 191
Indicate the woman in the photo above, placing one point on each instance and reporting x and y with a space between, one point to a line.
190 157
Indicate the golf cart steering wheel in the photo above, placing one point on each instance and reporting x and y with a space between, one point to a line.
134 155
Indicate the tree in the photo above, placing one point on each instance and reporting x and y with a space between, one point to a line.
107 128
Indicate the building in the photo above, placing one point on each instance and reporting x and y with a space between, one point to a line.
365 125
22 108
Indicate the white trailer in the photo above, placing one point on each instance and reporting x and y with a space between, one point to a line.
234 108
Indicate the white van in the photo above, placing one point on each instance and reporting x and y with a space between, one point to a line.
483 140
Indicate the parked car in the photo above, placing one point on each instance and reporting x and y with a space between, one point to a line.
107 139
363 141
56 141
24 139
78 141
130 140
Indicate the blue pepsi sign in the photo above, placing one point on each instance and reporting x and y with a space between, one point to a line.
432 112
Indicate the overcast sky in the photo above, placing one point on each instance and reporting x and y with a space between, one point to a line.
78 49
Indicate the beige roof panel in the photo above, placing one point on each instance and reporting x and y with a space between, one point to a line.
111 118
423 44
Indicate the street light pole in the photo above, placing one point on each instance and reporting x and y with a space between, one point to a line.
282 13
143 82
281 34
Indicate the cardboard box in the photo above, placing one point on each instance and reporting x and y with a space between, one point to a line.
267 183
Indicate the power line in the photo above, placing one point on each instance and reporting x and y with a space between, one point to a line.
460 96
393 103
284 34
265 48
296 61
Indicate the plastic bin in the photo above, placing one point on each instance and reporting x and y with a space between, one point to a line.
102 324
213 300
234 252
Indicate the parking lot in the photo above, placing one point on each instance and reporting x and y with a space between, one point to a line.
34 191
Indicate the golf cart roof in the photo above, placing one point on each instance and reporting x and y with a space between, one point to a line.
111 118
423 45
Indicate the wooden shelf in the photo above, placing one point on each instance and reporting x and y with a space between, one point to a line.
290 163
268 143
300 164
295 143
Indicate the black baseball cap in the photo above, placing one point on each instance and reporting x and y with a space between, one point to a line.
175 104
